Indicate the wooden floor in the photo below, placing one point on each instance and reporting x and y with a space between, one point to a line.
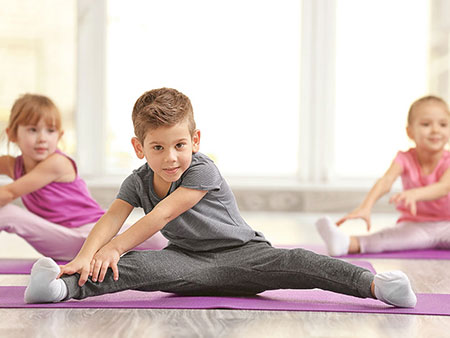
426 276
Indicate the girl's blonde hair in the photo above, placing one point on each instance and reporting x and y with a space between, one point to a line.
28 110
422 100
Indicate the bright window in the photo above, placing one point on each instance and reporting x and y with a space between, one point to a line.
381 68
38 55
238 61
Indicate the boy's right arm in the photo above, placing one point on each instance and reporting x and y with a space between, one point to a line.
380 188
104 230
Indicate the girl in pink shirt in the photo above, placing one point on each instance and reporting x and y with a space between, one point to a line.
60 210
424 203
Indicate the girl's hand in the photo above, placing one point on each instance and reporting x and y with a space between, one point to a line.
106 257
79 265
358 213
408 198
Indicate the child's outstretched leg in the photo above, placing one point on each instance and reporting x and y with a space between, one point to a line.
49 239
337 242
59 242
259 267
43 286
403 236
394 288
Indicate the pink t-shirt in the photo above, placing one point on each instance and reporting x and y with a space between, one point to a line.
66 203
412 177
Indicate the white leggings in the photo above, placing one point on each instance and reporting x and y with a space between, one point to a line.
54 240
408 236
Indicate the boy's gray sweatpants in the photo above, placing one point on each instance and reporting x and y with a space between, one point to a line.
245 270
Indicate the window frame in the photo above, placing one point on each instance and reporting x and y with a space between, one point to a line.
316 97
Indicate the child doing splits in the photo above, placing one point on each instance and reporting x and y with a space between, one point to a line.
424 203
60 211
211 251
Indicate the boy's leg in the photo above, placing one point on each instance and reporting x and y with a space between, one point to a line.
169 270
256 267
247 270
49 239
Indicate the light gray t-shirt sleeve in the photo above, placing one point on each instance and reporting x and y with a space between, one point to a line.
131 191
202 175
128 193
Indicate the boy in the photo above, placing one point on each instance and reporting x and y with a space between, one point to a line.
211 251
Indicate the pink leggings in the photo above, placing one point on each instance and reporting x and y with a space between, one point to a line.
53 240
408 236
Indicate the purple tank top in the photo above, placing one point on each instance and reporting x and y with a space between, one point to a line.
66 203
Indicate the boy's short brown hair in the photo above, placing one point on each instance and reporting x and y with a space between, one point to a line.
163 107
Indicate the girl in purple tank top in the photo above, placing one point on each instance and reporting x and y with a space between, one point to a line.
60 210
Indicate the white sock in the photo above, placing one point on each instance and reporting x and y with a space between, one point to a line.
336 241
43 286
394 288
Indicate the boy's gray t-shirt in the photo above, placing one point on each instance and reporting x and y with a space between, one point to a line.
214 222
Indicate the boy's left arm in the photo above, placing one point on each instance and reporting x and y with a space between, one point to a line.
181 200
430 192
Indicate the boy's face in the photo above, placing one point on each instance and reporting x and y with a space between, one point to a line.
168 150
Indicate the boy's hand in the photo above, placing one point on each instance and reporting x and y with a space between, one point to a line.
78 265
106 257
408 198
355 214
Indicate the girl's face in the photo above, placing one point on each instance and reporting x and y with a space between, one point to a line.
430 127
37 142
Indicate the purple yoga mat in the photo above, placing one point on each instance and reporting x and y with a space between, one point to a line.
18 266
405 254
276 300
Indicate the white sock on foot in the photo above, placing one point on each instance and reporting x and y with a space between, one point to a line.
43 286
337 242
394 288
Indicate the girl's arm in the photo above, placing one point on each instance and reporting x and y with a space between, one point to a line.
7 165
49 170
104 230
430 192
181 200
380 188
